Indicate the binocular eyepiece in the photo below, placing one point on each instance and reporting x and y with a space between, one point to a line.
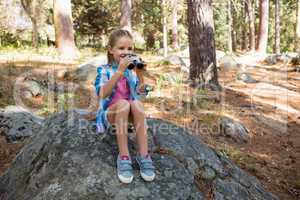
135 61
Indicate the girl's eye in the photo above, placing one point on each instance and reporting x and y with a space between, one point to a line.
123 48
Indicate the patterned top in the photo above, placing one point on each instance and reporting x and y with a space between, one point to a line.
104 73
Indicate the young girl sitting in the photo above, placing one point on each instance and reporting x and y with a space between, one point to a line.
119 89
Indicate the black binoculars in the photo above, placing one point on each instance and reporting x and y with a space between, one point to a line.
135 61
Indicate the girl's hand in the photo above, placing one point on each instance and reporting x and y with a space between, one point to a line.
124 62
141 88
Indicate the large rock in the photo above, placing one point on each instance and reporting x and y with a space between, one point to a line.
220 54
87 72
228 63
246 78
16 124
233 129
68 160
176 60
271 59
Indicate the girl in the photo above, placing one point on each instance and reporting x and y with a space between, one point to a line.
119 92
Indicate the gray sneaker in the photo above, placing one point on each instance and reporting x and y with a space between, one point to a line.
124 168
147 170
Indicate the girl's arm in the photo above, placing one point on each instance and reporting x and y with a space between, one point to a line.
107 89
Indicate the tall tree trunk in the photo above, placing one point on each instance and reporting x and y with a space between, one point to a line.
234 28
174 25
64 33
150 39
35 33
251 20
203 69
165 31
34 18
263 26
244 27
229 26
31 8
297 33
277 27
125 22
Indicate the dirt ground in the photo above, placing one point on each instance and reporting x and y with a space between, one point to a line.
273 151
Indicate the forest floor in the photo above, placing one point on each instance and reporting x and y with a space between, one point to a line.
269 109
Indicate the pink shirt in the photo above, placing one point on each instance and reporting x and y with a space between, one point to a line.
122 91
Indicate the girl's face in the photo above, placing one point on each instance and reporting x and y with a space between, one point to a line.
123 45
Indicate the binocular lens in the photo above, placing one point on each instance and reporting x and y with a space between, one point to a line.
140 65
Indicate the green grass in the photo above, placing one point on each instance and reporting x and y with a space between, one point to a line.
244 160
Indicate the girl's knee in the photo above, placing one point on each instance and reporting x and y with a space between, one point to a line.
123 106
137 107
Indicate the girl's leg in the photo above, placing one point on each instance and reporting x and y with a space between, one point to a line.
139 121
118 115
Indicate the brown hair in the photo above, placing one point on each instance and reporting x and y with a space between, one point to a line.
114 36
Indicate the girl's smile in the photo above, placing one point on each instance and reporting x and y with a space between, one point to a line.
123 46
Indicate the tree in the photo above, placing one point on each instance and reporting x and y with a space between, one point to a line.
174 25
64 33
244 44
297 32
203 69
229 26
251 20
263 26
165 31
234 27
125 22
277 27
31 7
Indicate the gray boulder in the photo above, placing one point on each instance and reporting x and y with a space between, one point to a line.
271 59
86 73
184 62
68 160
220 54
233 129
16 124
245 77
228 63
185 52
175 60
287 57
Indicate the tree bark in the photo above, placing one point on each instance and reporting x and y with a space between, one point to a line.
31 9
64 33
251 21
277 27
165 31
234 28
174 25
263 26
203 69
125 22
297 32
229 26
244 27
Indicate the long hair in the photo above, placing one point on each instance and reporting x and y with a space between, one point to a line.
114 36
